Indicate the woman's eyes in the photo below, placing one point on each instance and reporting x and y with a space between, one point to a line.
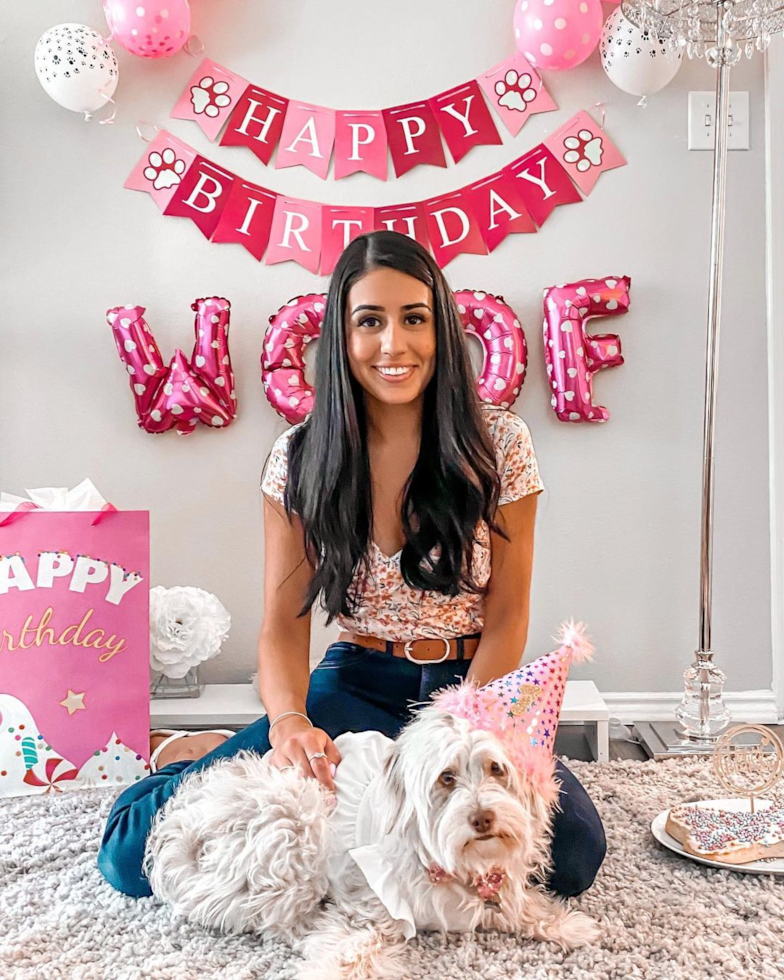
372 321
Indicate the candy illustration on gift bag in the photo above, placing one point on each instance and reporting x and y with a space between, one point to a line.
31 766
298 322
76 67
188 391
573 356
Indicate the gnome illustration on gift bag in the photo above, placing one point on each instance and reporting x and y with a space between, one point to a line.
521 709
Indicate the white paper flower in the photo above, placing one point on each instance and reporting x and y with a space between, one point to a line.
187 627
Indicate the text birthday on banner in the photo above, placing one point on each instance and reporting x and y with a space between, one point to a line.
475 219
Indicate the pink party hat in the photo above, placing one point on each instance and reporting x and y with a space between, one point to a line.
522 707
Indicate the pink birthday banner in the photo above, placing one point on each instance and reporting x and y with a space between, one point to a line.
516 200
306 134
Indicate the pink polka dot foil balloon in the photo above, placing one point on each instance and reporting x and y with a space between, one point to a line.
149 28
297 323
557 34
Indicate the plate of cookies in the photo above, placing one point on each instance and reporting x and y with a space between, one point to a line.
726 834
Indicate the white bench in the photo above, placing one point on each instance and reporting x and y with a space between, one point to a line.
238 705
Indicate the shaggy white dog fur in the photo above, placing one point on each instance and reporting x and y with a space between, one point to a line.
347 878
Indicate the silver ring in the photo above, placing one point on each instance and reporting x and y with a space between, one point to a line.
318 755
414 660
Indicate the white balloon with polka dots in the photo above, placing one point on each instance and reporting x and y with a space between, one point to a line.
76 67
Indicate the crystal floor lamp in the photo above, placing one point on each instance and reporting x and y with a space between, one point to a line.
720 31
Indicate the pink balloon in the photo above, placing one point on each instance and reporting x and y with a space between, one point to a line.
149 28
291 329
296 324
557 34
573 356
501 336
187 392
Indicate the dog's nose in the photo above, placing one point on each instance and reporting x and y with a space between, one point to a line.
482 820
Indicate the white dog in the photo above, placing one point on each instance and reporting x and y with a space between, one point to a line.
436 830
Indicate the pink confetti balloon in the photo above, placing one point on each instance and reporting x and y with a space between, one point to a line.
296 324
573 356
291 329
557 34
149 28
188 391
502 339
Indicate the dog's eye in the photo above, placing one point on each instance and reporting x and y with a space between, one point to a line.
447 778
496 769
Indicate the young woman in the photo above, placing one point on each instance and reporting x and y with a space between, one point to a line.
407 508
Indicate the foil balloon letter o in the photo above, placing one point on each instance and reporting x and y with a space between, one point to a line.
502 339
573 356
291 329
296 324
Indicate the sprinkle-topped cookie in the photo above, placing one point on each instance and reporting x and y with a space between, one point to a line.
725 835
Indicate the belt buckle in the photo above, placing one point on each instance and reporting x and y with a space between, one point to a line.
414 660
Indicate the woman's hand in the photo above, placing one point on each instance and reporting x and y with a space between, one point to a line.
296 742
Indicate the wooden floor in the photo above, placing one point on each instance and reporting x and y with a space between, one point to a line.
571 741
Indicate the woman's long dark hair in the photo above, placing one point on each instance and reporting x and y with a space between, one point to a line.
455 481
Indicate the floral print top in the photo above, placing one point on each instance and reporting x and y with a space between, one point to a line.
389 607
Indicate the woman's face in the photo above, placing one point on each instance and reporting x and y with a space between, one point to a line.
390 323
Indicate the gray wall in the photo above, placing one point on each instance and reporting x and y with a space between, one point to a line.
618 528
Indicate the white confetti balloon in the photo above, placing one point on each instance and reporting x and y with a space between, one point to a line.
76 67
634 60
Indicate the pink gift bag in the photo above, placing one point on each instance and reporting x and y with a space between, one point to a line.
74 649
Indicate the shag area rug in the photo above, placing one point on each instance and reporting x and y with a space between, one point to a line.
663 917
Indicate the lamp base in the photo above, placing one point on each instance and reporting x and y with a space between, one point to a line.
702 714
665 740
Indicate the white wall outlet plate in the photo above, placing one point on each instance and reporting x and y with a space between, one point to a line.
702 119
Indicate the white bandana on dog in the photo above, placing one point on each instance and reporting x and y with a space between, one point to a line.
358 820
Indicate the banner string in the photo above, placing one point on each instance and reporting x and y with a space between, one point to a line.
109 120
194 46
142 129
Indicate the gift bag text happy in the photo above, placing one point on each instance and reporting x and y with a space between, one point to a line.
92 576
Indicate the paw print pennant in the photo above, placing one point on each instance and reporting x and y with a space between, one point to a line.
584 150
516 91
161 170
209 97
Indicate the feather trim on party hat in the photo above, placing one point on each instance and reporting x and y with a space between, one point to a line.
522 708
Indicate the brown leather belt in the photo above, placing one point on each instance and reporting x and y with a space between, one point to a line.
418 651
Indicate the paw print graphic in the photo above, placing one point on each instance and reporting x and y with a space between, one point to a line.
165 169
515 91
209 97
584 150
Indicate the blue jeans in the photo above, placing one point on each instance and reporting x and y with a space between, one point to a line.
353 689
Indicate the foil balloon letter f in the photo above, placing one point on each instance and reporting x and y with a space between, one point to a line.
188 391
572 355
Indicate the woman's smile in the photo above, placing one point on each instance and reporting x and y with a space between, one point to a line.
395 375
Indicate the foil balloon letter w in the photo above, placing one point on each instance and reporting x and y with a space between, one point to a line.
573 356
188 391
